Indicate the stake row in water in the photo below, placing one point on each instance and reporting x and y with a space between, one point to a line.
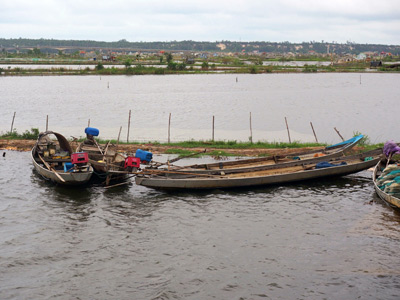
169 128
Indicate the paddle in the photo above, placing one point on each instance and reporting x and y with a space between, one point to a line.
51 169
179 158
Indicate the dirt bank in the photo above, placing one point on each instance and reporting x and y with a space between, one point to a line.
26 145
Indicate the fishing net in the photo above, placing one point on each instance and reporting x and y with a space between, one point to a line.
390 148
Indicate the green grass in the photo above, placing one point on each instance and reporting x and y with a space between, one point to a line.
214 148
238 145
27 135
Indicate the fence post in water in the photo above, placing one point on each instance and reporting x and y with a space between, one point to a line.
169 128
251 131
312 127
12 123
213 128
47 122
287 127
129 125
337 131
119 134
88 123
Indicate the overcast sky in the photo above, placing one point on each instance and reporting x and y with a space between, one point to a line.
359 21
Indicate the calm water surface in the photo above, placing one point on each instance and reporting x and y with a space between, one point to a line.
330 239
366 103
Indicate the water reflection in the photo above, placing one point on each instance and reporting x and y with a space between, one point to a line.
318 238
270 98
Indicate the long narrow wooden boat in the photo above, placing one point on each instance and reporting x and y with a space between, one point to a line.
281 173
263 163
106 161
52 160
387 188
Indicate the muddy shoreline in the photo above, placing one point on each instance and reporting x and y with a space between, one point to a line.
26 145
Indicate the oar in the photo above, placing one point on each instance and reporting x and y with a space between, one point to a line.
179 158
98 146
186 156
105 151
51 169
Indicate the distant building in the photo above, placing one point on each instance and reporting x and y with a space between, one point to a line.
361 56
108 58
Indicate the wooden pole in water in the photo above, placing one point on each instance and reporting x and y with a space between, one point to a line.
287 127
337 131
251 131
169 128
312 127
213 128
47 122
12 123
119 134
88 123
129 125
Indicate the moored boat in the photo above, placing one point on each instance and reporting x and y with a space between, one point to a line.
110 165
386 176
263 163
281 173
54 160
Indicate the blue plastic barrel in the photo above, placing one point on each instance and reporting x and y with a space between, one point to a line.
92 131
144 155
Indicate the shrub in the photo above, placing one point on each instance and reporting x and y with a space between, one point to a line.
99 66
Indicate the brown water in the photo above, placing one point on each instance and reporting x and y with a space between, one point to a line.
329 239
366 103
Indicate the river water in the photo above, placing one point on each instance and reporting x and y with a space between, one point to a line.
328 239
366 103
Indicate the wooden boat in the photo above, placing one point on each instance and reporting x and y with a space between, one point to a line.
263 163
279 174
52 160
107 162
386 185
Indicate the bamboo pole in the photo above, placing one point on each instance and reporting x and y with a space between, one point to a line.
119 134
213 127
169 128
88 123
47 122
251 131
287 127
12 123
129 125
312 127
337 131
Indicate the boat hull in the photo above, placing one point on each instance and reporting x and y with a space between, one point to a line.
389 199
70 178
264 163
246 180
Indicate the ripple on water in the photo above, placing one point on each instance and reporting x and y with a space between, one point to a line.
279 242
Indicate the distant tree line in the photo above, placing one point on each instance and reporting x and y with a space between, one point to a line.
188 45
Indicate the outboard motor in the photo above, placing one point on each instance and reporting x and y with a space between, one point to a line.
132 163
79 161
91 132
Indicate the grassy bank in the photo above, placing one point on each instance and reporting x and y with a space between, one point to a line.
214 148
182 68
